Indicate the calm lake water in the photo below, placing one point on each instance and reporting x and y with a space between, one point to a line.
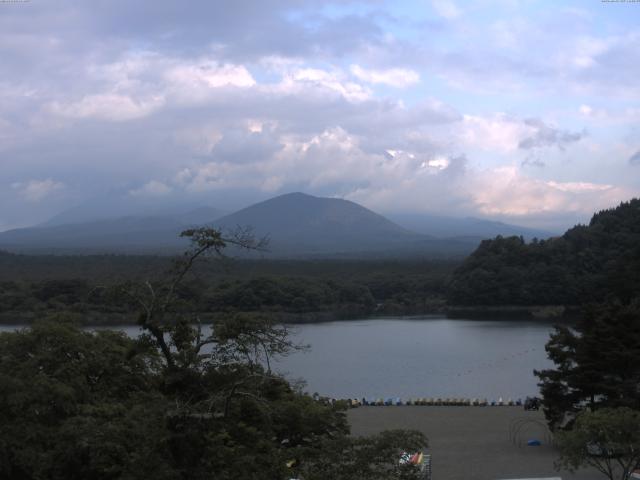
427 356
421 357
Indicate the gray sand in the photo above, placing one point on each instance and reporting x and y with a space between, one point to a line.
471 442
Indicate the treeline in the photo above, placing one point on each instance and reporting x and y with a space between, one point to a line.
289 290
587 264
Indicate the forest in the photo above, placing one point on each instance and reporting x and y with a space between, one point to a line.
289 290
589 263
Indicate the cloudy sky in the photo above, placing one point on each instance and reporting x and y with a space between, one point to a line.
524 111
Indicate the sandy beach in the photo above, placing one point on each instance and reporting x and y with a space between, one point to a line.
469 443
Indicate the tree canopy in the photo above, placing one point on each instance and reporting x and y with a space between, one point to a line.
586 264
596 363
607 440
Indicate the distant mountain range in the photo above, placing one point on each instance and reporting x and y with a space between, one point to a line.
440 226
298 225
131 234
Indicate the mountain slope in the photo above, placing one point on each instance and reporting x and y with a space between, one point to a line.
311 224
131 234
303 225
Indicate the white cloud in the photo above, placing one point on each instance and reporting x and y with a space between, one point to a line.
139 84
439 163
36 190
506 134
255 126
152 188
585 110
394 77
208 73
579 187
318 83
107 106
506 191
499 132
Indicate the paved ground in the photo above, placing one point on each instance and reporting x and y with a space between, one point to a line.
469 443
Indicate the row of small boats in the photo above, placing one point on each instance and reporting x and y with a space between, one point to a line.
461 402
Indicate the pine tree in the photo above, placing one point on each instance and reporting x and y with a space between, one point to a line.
597 363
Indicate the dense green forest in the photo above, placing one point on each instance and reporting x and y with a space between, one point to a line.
289 290
589 263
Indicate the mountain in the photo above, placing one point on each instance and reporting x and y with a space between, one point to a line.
300 224
130 234
470 227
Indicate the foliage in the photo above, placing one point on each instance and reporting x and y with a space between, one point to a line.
179 402
596 363
362 458
607 439
288 290
586 264
74 404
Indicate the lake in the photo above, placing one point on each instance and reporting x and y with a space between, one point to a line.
424 356
427 356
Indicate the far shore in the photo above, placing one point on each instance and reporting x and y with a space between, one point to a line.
545 313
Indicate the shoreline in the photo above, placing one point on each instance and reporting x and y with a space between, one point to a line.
542 313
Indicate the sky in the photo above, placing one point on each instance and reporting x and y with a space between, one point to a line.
522 111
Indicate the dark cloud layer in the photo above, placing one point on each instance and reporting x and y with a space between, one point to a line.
547 136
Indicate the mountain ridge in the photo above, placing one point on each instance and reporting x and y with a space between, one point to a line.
298 225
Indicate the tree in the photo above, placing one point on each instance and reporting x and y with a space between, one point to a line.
596 364
75 405
371 458
607 439
181 401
